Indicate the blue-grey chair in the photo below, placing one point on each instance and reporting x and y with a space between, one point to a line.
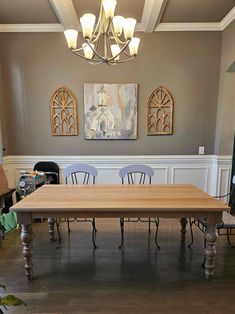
227 225
137 174
80 174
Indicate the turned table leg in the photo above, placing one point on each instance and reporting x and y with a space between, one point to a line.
183 222
51 228
210 251
26 237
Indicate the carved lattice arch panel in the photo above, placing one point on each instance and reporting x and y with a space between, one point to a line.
63 112
160 112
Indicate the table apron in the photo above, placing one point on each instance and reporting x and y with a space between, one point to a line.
26 217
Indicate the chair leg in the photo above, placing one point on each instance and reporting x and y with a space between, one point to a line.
94 233
191 232
94 224
149 225
204 260
156 234
228 238
68 225
58 231
122 233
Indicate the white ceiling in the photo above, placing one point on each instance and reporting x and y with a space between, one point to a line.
158 15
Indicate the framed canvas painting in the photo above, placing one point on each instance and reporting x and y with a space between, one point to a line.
110 111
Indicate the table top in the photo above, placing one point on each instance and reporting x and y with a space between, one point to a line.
103 198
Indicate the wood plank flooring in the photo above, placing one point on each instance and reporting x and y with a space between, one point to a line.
139 279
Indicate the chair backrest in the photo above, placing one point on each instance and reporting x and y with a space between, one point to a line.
50 168
75 171
129 172
3 181
232 196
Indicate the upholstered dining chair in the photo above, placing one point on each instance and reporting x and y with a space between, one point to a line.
51 170
227 225
80 174
137 174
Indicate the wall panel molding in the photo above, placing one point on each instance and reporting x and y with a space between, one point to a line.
209 172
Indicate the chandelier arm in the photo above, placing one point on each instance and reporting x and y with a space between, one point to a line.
96 61
105 47
122 49
122 61
95 38
107 38
99 21
110 50
116 37
95 52
108 26
78 54
76 50
98 29
127 54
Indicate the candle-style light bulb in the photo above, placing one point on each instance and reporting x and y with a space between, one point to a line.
71 37
129 28
134 46
88 52
118 24
88 23
115 51
109 8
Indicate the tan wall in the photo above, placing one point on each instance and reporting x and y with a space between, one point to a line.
3 125
34 65
226 100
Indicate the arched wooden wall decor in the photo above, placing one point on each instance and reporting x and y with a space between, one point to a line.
160 112
63 107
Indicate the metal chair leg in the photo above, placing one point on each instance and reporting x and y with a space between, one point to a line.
191 232
204 260
68 225
156 234
149 225
122 233
58 231
228 238
94 234
94 224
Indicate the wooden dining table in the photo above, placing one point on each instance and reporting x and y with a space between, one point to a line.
117 201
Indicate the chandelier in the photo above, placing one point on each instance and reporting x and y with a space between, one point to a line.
109 41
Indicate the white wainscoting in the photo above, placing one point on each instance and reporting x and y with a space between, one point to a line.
211 173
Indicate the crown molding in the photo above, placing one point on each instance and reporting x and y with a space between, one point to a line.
189 27
17 28
227 19
162 27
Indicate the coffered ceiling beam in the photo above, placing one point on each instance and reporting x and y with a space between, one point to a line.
66 13
152 13
228 19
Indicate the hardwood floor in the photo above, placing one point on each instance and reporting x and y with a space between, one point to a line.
139 279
